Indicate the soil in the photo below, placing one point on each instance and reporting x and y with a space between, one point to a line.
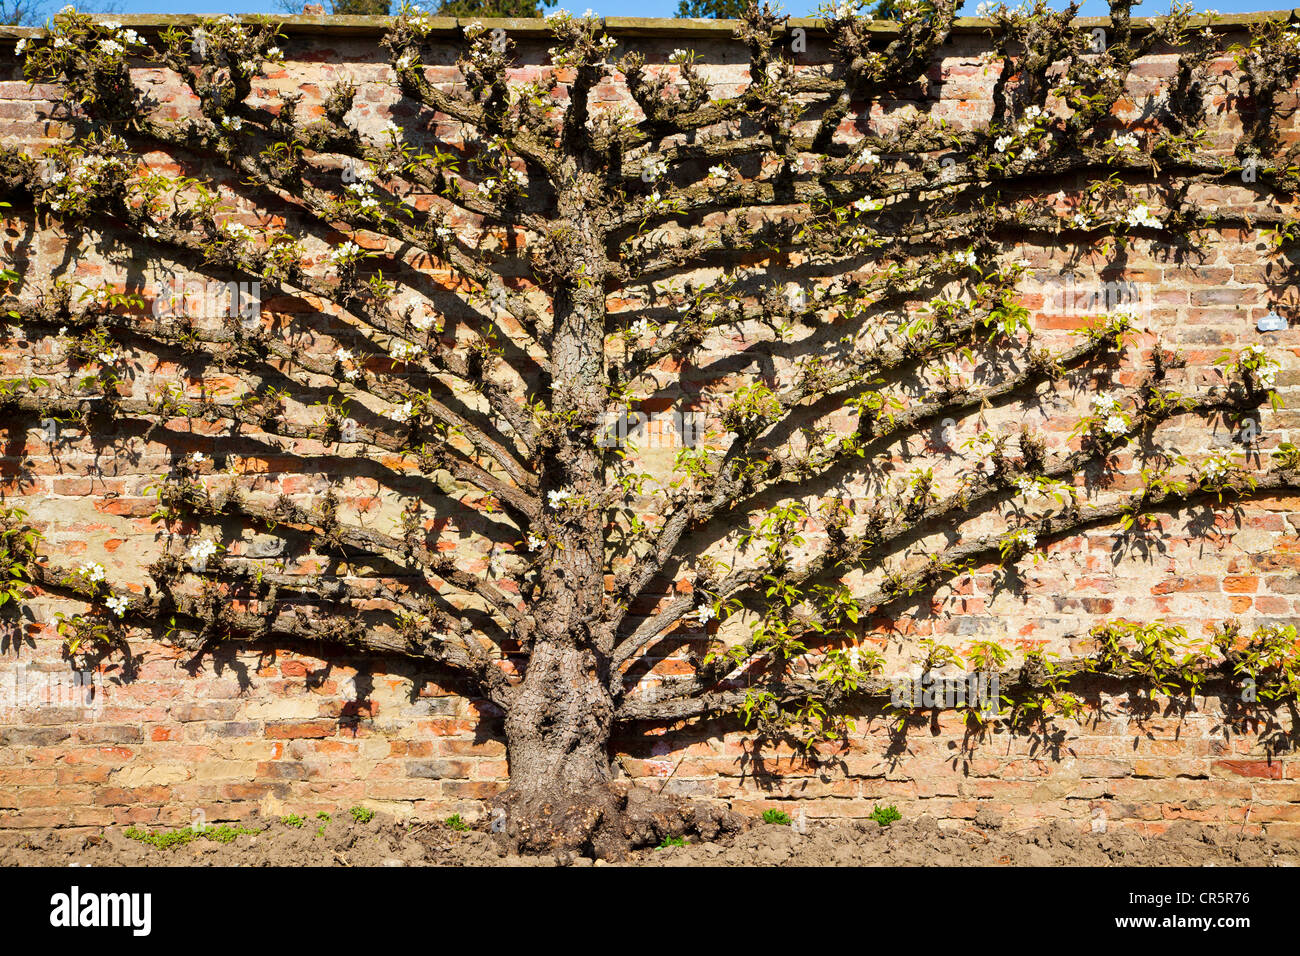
386 842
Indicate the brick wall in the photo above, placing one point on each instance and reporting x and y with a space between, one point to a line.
169 732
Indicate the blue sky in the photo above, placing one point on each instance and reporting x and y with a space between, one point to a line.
658 8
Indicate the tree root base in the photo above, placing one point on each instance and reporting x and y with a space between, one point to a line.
608 820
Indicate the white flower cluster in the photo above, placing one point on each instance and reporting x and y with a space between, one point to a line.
422 23
69 187
426 321
363 193
966 258
1002 142
1263 368
641 327
1123 141
347 359
1081 220
719 172
119 41
345 254
1028 487
1115 425
535 543
867 204
1215 469
200 552
1105 404
1140 215
653 167
1029 120
557 497
93 572
118 604
403 350
401 413
655 201
703 613
236 230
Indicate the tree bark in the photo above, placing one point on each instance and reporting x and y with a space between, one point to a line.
561 717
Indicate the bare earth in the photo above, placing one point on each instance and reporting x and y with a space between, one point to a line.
384 842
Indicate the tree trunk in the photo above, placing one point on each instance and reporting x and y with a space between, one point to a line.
562 714
557 739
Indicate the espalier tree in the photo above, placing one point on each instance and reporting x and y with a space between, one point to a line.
490 287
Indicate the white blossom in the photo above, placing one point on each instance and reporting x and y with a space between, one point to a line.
200 552
703 613
1214 468
1105 404
1115 425
1140 215
401 413
345 253
1028 487
93 571
557 497
402 350
652 167
118 604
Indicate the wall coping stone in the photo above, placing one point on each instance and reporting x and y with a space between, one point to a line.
625 26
